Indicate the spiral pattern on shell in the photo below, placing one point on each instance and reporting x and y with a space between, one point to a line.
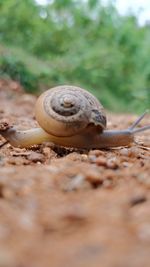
67 110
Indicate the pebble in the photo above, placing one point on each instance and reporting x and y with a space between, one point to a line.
75 213
76 182
108 183
110 163
94 177
36 157
73 156
101 161
130 152
48 152
96 153
84 157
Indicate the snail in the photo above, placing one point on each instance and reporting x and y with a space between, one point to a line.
72 117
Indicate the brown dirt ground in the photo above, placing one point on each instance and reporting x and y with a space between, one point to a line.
66 208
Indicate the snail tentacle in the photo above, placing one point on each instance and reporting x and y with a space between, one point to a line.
138 130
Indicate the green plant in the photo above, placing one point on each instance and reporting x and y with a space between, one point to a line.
17 70
82 43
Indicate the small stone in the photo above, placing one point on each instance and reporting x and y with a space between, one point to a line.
94 177
112 163
101 161
130 152
108 183
47 151
96 153
124 152
126 164
73 156
134 152
36 157
84 157
75 213
4 125
92 158
76 182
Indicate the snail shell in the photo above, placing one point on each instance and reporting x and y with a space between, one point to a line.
68 110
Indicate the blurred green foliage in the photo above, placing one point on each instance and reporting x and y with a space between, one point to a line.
77 42
17 70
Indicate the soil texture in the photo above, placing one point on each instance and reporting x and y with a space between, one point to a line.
64 207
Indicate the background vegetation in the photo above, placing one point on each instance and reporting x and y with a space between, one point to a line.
77 42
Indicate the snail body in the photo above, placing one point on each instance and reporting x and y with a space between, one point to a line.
72 117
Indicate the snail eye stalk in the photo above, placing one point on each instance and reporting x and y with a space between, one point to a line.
138 130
